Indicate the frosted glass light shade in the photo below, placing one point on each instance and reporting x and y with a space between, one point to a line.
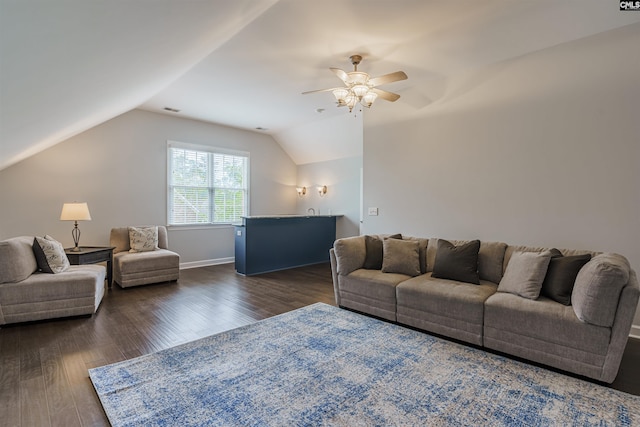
340 94
360 90
369 98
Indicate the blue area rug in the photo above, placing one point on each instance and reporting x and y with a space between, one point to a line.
321 365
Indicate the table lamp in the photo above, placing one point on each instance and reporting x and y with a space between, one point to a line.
75 212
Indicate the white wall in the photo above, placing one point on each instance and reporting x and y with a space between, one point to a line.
542 150
119 168
342 178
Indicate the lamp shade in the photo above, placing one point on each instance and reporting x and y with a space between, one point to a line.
75 212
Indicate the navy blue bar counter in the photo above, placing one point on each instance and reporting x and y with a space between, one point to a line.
270 243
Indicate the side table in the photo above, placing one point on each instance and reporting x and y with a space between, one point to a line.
93 255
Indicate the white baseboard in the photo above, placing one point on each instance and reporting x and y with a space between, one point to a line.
635 331
206 263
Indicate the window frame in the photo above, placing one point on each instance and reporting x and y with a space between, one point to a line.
210 151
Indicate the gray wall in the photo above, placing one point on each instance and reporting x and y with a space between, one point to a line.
542 150
342 178
119 168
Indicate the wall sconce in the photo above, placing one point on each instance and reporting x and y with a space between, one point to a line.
322 190
301 191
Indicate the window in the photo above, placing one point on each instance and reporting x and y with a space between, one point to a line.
206 185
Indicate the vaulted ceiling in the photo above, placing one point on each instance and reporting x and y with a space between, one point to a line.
69 65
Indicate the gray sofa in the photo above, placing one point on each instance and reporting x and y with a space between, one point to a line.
488 313
27 295
143 268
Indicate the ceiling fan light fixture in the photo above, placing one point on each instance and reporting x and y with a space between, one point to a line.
360 87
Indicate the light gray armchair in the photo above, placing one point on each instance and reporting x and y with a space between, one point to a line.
142 268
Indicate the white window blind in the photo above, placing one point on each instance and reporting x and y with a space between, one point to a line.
206 185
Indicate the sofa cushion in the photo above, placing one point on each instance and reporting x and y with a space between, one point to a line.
373 284
17 261
490 260
401 256
597 288
453 299
457 262
422 245
160 259
561 275
374 248
350 254
50 255
546 321
525 273
143 239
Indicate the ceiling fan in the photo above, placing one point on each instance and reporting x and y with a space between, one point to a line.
360 88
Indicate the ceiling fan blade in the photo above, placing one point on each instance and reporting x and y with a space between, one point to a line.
388 78
342 75
319 90
388 96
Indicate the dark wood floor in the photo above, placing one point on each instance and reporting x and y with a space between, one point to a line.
43 366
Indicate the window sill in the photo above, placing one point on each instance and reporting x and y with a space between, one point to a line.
188 227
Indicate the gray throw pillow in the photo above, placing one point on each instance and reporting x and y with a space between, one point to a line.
401 256
561 275
457 262
597 289
373 245
525 273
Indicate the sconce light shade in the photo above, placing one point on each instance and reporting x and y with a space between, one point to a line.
75 212
301 191
322 190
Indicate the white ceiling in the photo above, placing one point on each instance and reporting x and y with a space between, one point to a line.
69 65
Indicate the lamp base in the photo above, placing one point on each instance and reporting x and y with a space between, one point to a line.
76 249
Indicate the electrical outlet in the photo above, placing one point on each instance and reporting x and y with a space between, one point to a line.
373 211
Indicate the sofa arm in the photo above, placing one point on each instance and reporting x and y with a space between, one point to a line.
350 254
621 327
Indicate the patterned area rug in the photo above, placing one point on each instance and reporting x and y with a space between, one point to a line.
322 365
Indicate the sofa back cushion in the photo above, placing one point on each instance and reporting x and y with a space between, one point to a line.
17 261
350 254
597 288
119 238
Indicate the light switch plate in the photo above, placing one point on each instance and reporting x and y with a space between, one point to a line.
373 211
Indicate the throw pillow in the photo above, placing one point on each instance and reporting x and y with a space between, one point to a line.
373 246
457 262
597 289
143 239
561 275
50 255
525 273
401 256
